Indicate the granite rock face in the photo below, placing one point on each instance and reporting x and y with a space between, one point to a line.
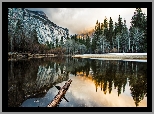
35 20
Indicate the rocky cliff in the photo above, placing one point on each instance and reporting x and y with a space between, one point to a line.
35 20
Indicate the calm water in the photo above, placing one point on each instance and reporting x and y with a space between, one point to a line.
95 83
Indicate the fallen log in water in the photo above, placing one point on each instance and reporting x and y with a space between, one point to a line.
60 95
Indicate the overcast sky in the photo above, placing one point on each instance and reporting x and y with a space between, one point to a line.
80 19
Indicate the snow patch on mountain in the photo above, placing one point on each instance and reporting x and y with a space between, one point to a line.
46 30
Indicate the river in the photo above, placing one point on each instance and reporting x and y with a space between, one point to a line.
95 82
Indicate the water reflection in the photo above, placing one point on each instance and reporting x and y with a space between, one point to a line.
118 73
95 82
32 79
82 93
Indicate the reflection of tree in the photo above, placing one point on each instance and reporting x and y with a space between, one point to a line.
120 78
75 65
138 82
110 75
117 73
107 74
93 66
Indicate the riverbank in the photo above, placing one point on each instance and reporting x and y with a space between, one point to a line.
14 56
115 56
109 56
19 56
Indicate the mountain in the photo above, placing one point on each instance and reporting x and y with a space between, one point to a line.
29 21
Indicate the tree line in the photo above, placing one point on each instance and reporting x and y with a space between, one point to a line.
116 37
107 37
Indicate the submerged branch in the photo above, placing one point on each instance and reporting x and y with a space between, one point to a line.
60 95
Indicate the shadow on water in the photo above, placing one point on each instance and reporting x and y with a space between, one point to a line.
33 78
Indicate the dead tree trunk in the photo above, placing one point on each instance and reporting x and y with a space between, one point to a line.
60 95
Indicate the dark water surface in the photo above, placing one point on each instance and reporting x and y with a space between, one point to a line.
95 83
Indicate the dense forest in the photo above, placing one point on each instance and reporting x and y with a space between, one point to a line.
107 37
110 37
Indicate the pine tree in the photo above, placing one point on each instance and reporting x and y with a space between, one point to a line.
125 38
106 28
96 36
87 43
57 42
105 35
120 25
139 23
115 31
110 32
61 41
138 19
102 38
119 33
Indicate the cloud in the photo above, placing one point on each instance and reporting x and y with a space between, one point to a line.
79 19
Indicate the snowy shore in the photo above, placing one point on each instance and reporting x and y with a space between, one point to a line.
115 56
137 60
